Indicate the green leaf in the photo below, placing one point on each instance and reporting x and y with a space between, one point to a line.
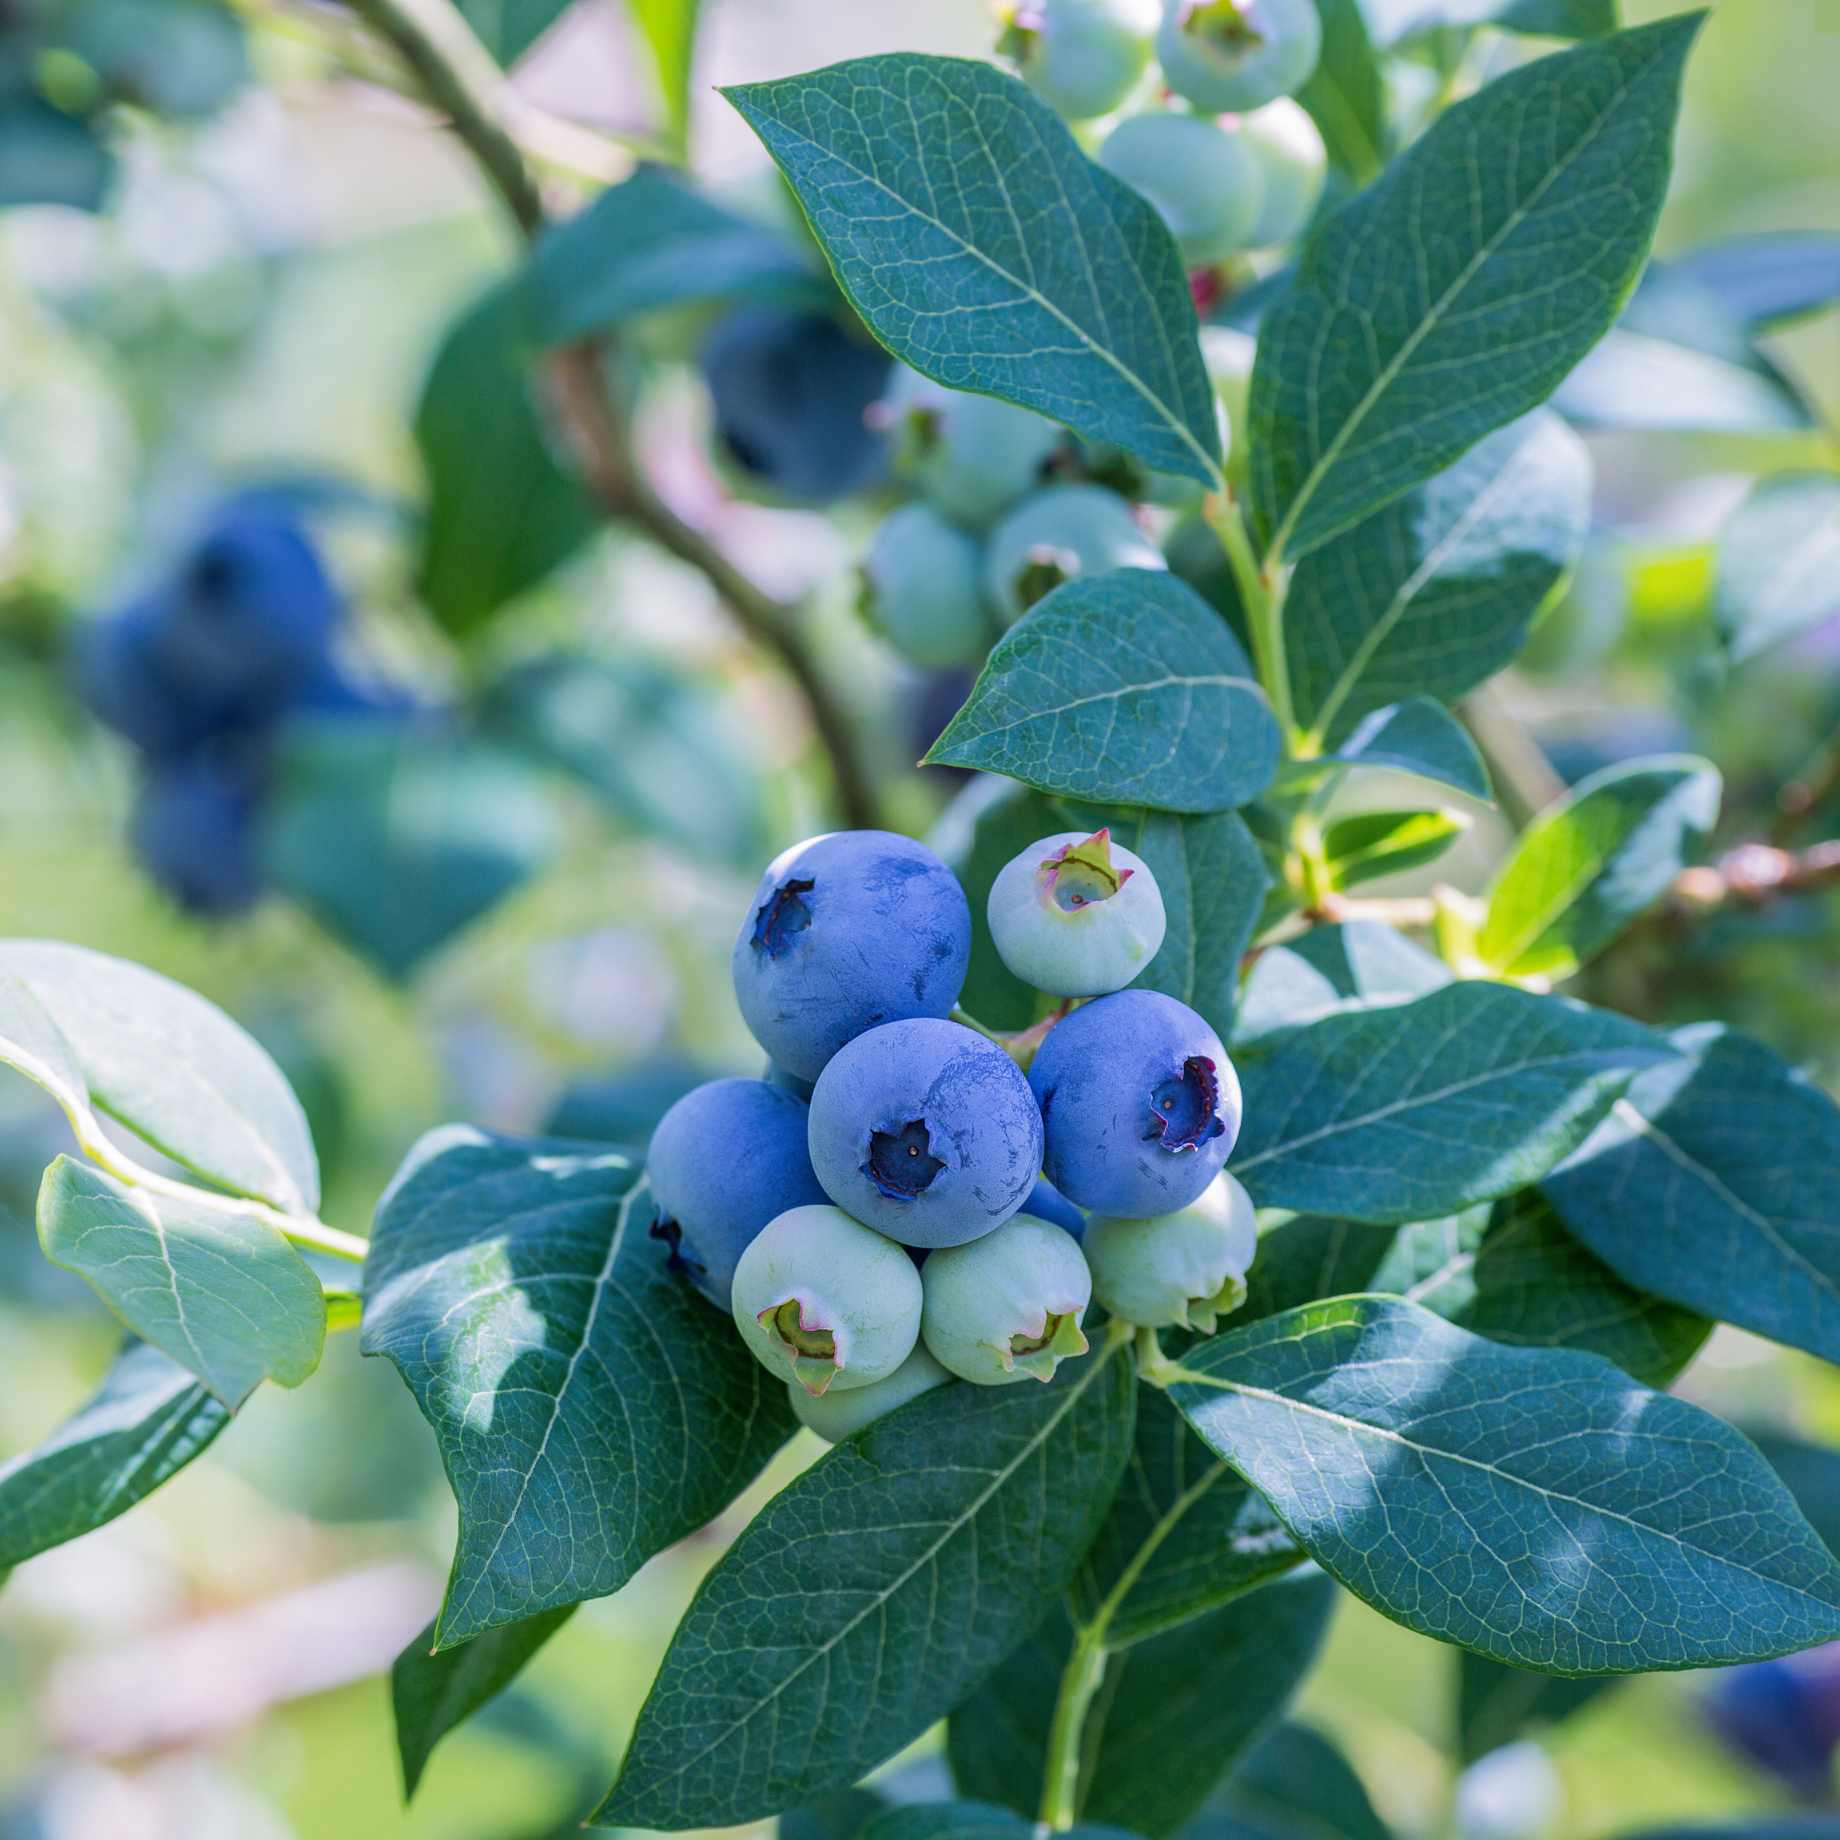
656 747
1408 1112
398 837
1185 1535
873 1593
1497 1704
1346 94
159 1059
1292 1785
839 1816
1356 964
1711 1183
48 157
508 28
1435 593
434 1690
669 30
1812 1474
1455 293
1216 1681
147 1420
1588 865
1779 563
983 248
1418 736
590 1408
1394 20
1126 688
502 513
968 1821
650 242
1768 279
220 1291
1533 1504
1377 843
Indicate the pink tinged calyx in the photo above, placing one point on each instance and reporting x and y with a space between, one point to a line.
1080 875
1231 25
1185 1111
1060 1338
810 1349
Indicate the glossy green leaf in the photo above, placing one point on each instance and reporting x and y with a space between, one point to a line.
508 28
1455 293
1711 1183
1127 688
1769 278
1170 1715
1346 93
1436 592
161 1060
1779 563
1354 964
1394 20
841 1815
502 512
220 1291
433 1690
669 30
1415 1110
1418 736
650 242
1377 843
1294 1784
142 1425
1496 1704
1588 865
590 1408
873 1593
983 248
400 836
1812 1473
1533 1504
969 1821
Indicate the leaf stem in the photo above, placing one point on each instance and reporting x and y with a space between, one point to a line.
1263 601
1080 1678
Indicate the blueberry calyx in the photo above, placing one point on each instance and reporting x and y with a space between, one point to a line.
901 1163
677 1260
1184 1112
1061 1335
1045 570
782 917
1079 874
810 1349
1224 23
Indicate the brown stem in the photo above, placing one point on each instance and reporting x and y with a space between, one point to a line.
1807 791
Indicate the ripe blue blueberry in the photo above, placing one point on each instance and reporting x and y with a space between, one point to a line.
1238 55
792 393
972 456
195 829
1203 179
1008 1306
1183 1270
927 1131
922 589
1055 535
1139 1104
725 1159
825 1301
1293 164
845 932
1081 57
1046 1202
836 1414
1076 915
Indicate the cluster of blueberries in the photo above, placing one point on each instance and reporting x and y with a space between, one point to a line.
199 674
897 1202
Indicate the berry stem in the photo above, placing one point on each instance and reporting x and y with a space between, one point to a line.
1060 1788
1263 600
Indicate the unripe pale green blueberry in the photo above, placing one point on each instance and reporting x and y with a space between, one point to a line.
1228 354
825 1301
1076 915
1238 55
834 1415
972 456
922 588
1203 179
1081 57
1008 1306
1184 1270
1058 534
1293 163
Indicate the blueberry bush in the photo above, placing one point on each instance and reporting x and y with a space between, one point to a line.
1166 1236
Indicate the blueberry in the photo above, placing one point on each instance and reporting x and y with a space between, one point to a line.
1076 915
845 932
1293 164
927 1131
1081 57
1238 55
1008 1306
1228 354
1203 179
776 1076
922 589
1057 534
1139 1104
836 1414
724 1160
972 456
195 829
1183 1270
792 393
1783 1715
1046 1202
824 1300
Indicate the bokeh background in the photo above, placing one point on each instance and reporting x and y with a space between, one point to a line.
256 309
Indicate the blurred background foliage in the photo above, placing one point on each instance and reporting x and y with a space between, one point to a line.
513 902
